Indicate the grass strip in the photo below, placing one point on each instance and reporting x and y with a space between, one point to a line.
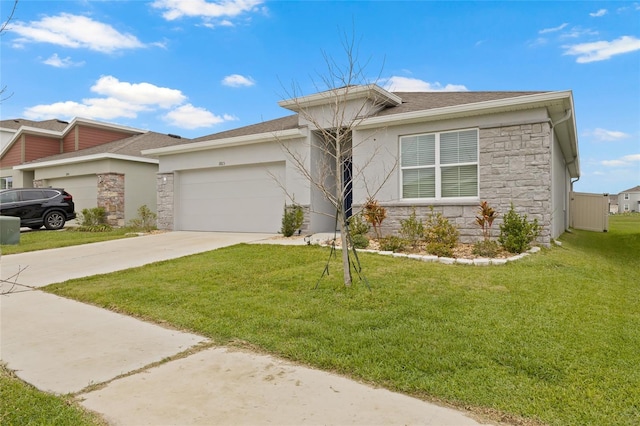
22 404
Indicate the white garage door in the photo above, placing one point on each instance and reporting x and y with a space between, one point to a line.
231 199
83 189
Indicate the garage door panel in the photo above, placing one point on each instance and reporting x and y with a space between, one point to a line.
83 189
234 199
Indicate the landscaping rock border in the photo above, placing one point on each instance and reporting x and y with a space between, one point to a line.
480 261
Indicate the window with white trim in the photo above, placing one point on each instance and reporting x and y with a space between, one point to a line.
440 165
626 196
626 207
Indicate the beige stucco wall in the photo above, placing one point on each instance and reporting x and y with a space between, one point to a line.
139 179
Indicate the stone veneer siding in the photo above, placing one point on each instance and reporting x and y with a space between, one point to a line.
515 167
165 200
111 197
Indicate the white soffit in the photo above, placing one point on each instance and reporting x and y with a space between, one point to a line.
84 159
371 91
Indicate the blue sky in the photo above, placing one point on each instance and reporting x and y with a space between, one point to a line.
196 67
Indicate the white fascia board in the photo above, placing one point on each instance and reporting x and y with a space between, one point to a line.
228 142
354 92
85 159
529 101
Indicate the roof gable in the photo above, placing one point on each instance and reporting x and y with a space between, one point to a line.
129 147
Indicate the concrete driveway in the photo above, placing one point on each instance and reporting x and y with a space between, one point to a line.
63 346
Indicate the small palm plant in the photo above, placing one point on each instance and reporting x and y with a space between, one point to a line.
374 213
484 219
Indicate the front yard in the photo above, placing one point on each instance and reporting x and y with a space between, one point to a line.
552 338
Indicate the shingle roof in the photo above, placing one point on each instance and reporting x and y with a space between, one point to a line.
284 123
411 101
131 146
55 125
634 189
420 101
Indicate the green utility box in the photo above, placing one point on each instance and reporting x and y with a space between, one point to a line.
9 230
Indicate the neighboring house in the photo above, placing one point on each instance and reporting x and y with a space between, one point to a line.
629 200
446 150
613 203
99 164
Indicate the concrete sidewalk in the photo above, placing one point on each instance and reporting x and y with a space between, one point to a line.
63 346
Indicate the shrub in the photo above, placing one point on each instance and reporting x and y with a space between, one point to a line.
486 248
439 249
93 220
412 230
146 220
92 217
292 219
516 233
358 226
440 234
374 214
392 243
359 241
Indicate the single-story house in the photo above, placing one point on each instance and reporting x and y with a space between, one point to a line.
446 150
99 164
629 200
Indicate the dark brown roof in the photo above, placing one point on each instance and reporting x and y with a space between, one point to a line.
131 146
55 125
284 123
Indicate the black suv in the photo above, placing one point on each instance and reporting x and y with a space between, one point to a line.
35 207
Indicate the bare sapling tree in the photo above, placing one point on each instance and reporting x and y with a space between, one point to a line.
3 29
347 97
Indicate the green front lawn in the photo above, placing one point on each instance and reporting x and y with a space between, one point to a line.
43 239
554 337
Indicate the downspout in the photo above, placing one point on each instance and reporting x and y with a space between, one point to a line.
567 115
566 213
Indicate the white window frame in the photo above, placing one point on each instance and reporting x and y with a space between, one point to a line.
626 196
626 208
438 168
6 182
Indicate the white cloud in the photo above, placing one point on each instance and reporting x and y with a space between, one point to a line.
58 62
138 93
599 13
94 108
602 50
554 29
74 31
175 9
608 135
627 160
577 32
237 80
406 84
127 100
190 117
